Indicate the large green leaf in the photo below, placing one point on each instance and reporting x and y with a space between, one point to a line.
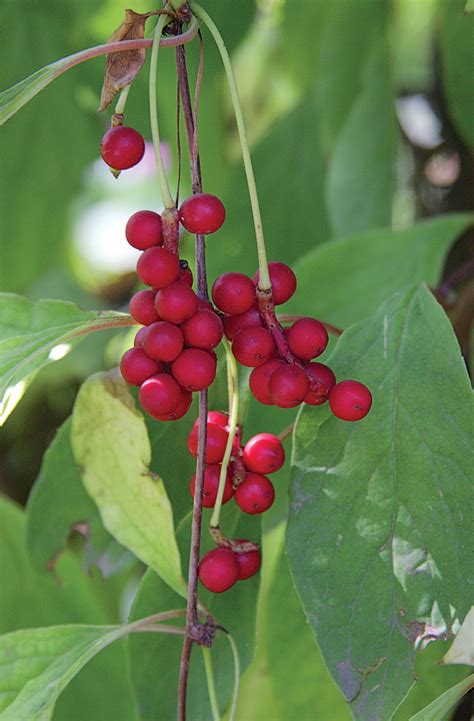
111 445
379 532
438 709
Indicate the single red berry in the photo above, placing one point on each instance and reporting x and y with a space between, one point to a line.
202 213
253 346
122 147
321 380
256 494
283 281
264 453
249 561
185 273
233 293
194 369
211 486
142 307
158 267
233 323
176 303
143 230
288 386
350 400
219 418
260 378
219 570
203 330
139 338
163 341
136 366
181 409
160 395
216 442
307 338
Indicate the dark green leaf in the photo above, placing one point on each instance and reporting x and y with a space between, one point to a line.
438 709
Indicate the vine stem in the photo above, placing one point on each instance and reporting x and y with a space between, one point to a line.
264 276
206 653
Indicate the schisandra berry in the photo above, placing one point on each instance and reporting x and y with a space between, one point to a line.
253 346
216 442
234 323
264 453
122 147
233 293
249 561
283 281
202 213
181 409
211 486
288 386
158 267
307 338
350 400
136 366
142 307
219 418
203 330
139 338
143 230
194 369
321 379
185 273
163 341
256 494
160 395
259 380
176 303
219 570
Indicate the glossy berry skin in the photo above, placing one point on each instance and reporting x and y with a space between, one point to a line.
142 307
233 293
307 338
194 369
203 330
158 267
122 147
139 338
181 409
321 379
143 230
253 347
185 273
283 281
255 495
219 570
234 323
215 444
163 341
202 214
260 378
264 453
219 418
288 386
176 303
136 366
211 486
350 400
160 395
249 561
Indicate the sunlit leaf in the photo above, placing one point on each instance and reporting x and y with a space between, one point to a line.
462 648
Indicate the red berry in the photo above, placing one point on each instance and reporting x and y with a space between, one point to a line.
176 303
233 323
233 293
158 267
259 379
160 395
122 147
256 494
211 486
181 409
204 304
216 442
350 400
142 307
249 561
185 273
139 338
194 369
163 341
202 213
219 570
253 346
288 386
307 338
321 379
264 453
283 282
219 418
136 366
143 230
203 330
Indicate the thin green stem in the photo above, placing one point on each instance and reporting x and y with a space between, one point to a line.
122 101
235 695
264 281
155 132
206 653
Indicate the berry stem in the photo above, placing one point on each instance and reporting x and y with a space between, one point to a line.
264 282
206 654
122 101
286 432
235 696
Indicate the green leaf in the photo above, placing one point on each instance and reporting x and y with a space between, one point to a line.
35 334
437 710
462 649
469 7
111 445
354 275
379 535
